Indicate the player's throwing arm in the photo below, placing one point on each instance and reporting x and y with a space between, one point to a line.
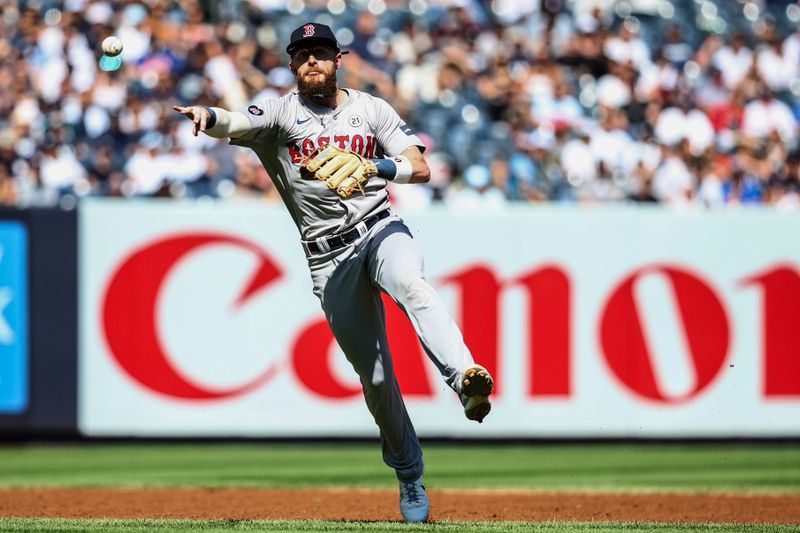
215 122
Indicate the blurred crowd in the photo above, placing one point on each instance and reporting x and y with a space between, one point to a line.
683 102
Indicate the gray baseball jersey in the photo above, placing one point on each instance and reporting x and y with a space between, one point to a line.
284 130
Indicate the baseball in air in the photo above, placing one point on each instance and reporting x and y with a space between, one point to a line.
112 46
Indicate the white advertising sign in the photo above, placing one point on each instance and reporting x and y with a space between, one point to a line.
198 320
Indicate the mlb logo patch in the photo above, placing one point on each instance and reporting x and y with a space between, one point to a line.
406 129
255 110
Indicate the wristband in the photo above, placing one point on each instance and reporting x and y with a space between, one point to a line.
397 169
212 119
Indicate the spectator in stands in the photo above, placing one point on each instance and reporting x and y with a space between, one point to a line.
765 115
146 168
59 168
713 176
559 109
776 68
673 182
711 92
627 48
477 192
734 60
784 190
8 190
684 121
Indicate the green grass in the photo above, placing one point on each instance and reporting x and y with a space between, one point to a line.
640 467
130 526
608 467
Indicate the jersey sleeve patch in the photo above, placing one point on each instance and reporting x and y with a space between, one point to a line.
255 110
405 128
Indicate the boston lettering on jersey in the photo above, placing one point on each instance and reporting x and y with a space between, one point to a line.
362 145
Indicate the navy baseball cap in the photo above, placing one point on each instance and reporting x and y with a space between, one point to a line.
311 34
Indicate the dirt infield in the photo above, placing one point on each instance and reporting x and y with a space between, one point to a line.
348 504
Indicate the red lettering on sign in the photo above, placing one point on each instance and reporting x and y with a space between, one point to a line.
129 313
479 315
407 353
780 324
312 362
705 326
131 325
549 323
549 327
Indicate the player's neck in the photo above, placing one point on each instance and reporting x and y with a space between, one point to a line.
332 101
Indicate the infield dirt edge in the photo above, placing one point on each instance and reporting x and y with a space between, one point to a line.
381 505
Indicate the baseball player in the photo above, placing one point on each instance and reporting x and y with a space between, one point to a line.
330 152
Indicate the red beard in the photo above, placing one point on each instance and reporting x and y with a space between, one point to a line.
319 87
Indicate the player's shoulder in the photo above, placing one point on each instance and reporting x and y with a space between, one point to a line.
287 101
367 98
374 107
280 111
267 100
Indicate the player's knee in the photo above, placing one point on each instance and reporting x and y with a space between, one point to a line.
414 293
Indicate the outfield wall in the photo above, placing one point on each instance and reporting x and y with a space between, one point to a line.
198 320
166 319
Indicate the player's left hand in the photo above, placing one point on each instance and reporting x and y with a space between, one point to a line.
342 170
197 114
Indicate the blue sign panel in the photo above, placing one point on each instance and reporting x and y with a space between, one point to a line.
13 317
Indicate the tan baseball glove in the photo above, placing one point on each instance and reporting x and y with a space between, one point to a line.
342 170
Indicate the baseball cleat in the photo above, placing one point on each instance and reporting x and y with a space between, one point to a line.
414 503
476 386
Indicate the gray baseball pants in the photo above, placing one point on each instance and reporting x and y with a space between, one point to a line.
348 282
